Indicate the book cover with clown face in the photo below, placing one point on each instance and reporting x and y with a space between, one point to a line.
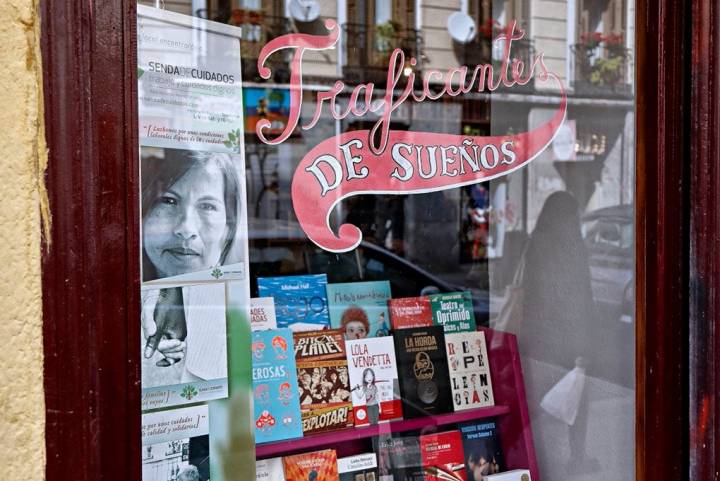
276 403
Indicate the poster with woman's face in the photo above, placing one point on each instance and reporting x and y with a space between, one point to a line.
193 216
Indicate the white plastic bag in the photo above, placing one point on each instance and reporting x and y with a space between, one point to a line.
562 401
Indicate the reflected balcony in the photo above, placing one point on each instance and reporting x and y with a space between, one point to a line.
602 67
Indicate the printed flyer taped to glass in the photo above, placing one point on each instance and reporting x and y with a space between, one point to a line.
387 240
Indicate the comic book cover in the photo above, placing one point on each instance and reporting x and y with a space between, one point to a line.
410 312
361 467
315 466
454 311
300 301
360 308
443 457
469 368
374 380
277 405
483 451
323 380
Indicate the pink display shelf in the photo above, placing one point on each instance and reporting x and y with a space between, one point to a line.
321 441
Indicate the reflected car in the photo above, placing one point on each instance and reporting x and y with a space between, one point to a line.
279 248
609 236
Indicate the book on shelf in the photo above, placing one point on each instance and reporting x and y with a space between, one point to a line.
423 371
269 470
410 312
454 311
275 386
262 314
361 467
300 301
442 456
314 466
483 451
469 369
373 380
360 308
323 380
399 458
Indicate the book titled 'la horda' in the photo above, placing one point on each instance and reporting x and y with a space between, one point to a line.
454 311
443 457
277 407
374 380
410 312
423 371
323 380
300 301
315 466
483 452
360 308
469 370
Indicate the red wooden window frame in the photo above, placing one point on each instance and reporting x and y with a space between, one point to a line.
91 260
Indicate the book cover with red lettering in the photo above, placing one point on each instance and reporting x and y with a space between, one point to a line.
323 380
374 380
315 466
410 312
469 368
443 457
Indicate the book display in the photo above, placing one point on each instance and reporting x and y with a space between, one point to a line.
469 370
360 309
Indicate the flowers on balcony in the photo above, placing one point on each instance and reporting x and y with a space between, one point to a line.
601 59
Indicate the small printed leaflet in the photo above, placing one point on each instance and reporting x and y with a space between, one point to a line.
360 308
514 475
175 444
361 467
300 301
483 451
423 371
323 380
454 311
469 368
410 312
315 466
262 313
269 470
374 380
276 403
442 456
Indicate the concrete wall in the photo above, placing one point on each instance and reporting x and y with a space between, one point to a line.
22 410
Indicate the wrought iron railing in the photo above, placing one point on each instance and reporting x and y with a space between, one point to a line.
601 68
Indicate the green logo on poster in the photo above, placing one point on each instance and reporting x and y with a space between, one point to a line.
189 392
233 141
216 273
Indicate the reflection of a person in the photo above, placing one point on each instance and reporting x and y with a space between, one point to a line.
189 473
190 210
559 314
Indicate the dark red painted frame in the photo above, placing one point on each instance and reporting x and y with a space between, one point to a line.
91 262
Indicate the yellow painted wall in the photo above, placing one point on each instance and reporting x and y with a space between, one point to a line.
22 411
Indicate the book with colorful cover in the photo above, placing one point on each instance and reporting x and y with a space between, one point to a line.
423 371
323 380
269 470
300 301
483 451
469 368
399 458
275 388
410 312
443 457
361 467
374 380
360 308
314 466
454 311
262 314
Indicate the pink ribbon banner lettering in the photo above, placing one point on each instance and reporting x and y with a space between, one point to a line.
384 161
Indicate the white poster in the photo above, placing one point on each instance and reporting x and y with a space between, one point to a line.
189 86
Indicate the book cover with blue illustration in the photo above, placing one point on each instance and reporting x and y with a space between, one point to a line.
360 309
300 301
277 405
